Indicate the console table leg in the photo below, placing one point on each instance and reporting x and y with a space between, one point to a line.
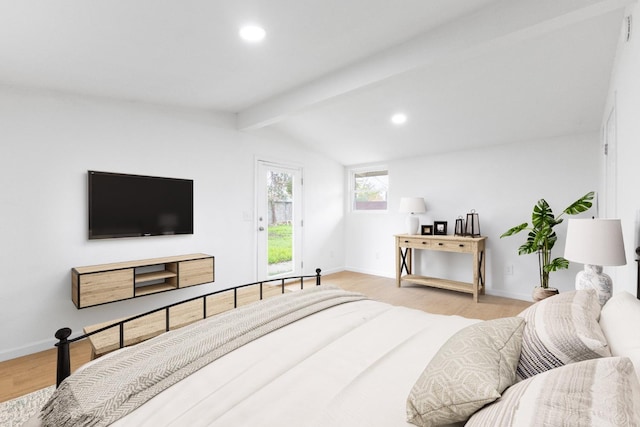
398 271
403 263
481 271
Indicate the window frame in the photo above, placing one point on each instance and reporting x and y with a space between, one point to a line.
380 170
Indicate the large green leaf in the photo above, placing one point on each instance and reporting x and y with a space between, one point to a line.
545 238
514 230
559 263
527 248
529 245
551 241
580 205
542 214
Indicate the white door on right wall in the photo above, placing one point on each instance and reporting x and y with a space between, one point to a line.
611 152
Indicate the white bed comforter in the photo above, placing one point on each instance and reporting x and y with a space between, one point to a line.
350 365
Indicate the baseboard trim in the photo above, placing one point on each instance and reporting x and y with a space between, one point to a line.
371 272
511 295
36 347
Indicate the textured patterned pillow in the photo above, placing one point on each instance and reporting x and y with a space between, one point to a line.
619 321
470 370
560 330
594 393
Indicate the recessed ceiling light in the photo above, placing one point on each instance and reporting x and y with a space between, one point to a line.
252 33
399 118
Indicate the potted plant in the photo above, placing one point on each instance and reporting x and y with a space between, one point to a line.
541 239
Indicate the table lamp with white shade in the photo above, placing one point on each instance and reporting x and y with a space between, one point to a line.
595 243
412 205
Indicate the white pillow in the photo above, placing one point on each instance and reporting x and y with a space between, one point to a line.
619 321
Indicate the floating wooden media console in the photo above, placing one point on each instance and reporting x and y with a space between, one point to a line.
105 283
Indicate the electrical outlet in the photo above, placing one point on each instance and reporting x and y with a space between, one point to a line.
508 270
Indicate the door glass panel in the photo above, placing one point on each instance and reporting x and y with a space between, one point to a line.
280 222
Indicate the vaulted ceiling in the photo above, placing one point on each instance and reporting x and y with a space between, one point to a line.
331 73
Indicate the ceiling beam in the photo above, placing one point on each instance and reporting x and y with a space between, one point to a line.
500 24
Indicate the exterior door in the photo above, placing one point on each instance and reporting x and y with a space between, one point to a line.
278 220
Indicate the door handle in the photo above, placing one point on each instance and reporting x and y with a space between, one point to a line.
260 228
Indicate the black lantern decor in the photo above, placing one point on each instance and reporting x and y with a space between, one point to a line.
459 229
473 224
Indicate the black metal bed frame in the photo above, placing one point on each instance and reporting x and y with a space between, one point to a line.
62 335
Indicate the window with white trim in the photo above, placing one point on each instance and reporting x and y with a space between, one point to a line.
369 188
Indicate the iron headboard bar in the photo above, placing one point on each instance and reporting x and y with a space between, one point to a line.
62 335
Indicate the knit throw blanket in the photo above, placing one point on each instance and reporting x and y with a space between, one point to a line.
114 386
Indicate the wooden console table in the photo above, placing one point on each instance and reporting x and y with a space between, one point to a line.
405 244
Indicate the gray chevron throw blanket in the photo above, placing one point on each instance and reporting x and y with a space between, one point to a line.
108 389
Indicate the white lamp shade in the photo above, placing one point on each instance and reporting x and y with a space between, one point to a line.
595 242
412 205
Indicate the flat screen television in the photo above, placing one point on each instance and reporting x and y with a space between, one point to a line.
122 205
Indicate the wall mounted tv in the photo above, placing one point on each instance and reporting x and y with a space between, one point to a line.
122 205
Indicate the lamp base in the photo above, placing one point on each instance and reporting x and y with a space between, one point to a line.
592 277
412 224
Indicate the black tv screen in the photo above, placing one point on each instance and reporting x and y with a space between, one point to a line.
122 205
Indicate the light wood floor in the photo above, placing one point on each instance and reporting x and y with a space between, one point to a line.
29 373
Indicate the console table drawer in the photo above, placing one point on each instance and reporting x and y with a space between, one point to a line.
416 243
453 246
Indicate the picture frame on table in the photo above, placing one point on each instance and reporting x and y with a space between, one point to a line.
426 230
440 228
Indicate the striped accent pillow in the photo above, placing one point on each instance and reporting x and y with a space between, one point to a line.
595 393
560 330
470 370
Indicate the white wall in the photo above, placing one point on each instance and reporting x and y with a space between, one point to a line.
502 184
624 96
49 141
